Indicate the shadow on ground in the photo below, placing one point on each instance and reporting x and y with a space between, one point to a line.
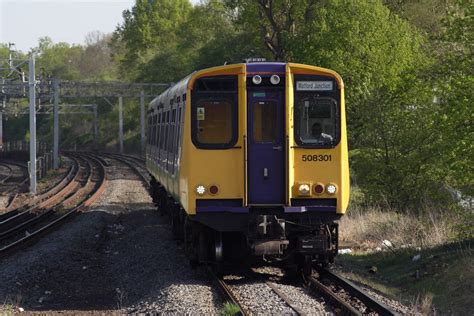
98 261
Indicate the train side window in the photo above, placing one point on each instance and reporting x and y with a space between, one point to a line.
167 128
153 129
171 141
158 133
264 121
155 125
162 130
178 137
148 130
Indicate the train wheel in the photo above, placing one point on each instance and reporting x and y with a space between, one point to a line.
218 264
307 265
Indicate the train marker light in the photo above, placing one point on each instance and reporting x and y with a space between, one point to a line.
213 189
319 188
331 188
257 79
200 189
275 79
304 189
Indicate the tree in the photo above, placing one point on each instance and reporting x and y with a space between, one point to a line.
149 28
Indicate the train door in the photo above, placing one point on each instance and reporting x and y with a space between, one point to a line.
266 143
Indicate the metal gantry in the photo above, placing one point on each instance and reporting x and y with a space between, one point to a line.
14 86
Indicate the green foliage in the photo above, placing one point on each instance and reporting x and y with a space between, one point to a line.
230 309
407 68
417 143
150 28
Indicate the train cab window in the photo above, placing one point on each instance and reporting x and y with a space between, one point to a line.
214 112
264 121
214 122
316 120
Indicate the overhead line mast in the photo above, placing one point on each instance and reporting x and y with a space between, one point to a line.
14 86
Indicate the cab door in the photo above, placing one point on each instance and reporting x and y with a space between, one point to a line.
266 147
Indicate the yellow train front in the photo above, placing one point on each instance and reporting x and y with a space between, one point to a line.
250 160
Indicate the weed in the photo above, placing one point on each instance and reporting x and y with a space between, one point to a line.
121 295
368 227
230 309
423 304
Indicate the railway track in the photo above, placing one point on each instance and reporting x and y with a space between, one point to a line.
80 188
344 297
15 178
8 174
47 197
137 164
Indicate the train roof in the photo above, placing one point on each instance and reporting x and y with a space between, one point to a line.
250 67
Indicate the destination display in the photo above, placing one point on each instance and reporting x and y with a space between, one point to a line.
314 85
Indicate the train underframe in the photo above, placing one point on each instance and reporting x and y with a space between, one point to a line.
293 241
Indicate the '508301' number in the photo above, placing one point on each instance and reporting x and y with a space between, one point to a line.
316 158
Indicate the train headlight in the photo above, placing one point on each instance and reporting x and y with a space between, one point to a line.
304 189
331 188
200 189
257 79
275 79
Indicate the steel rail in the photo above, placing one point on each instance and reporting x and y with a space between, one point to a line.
98 189
50 196
133 165
31 216
371 303
37 201
10 172
329 295
47 194
24 180
227 293
285 298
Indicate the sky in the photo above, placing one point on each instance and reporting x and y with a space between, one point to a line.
23 22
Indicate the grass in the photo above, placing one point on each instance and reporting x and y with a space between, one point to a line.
366 229
441 278
11 306
230 309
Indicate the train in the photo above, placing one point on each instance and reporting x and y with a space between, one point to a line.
250 160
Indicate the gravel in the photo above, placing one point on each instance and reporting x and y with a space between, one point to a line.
119 256
259 298
299 297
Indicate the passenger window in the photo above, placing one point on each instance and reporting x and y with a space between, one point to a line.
264 122
214 122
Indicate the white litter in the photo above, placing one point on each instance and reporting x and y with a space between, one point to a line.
416 257
344 251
